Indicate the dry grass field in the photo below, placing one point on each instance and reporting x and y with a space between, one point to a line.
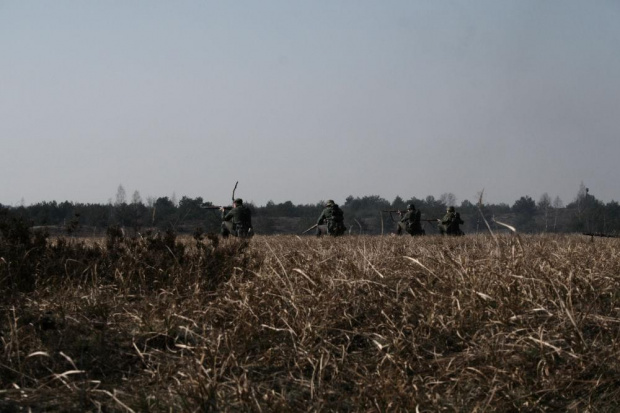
287 323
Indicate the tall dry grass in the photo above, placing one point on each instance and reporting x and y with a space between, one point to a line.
288 323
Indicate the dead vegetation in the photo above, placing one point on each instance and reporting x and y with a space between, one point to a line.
289 323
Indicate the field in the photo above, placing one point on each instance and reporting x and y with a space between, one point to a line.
287 323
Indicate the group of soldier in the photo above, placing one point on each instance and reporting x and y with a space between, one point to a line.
238 221
411 222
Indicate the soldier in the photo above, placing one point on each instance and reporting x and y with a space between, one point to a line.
331 220
449 224
410 222
238 221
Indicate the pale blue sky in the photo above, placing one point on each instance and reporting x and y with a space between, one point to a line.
309 100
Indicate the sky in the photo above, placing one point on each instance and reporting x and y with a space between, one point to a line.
308 100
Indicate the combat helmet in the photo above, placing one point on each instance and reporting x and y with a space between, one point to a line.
411 207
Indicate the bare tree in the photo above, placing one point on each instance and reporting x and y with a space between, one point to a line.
544 203
136 198
136 207
581 198
448 199
557 204
121 196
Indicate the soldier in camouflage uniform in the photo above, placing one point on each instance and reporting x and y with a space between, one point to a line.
331 220
449 224
238 221
410 222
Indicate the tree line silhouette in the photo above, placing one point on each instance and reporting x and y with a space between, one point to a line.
362 215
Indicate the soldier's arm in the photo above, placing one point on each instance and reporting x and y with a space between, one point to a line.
228 216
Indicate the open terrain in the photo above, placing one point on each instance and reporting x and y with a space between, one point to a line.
288 323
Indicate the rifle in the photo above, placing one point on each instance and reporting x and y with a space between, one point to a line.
400 211
600 234
310 229
205 206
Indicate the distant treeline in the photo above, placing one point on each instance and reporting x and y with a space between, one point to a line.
362 215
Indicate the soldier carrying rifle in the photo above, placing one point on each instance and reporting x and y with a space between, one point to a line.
238 221
331 220
410 222
449 224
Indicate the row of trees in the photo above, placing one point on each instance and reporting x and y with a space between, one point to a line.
362 214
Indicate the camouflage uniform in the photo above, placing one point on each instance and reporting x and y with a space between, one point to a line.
410 222
238 221
333 216
450 223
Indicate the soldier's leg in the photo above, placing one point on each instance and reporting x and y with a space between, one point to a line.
227 228
400 228
456 232
242 232
335 228
321 230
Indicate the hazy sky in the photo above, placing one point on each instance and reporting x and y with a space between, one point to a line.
309 100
